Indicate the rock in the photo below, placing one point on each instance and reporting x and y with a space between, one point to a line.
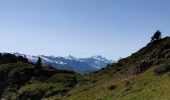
34 95
167 55
143 66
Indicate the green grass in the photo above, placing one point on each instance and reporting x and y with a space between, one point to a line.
146 86
53 87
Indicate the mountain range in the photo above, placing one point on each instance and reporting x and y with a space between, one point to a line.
71 63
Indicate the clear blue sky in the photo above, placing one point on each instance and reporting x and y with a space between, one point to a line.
112 28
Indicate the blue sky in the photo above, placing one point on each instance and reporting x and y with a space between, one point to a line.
112 28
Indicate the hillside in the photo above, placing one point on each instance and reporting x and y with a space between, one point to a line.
142 76
21 80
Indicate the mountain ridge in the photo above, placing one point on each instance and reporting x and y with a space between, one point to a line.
79 65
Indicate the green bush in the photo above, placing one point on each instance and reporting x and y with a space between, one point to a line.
162 69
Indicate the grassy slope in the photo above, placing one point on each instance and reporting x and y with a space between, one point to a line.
145 86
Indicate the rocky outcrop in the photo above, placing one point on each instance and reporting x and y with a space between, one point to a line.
143 66
34 95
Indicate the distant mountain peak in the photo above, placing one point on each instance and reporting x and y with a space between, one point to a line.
98 57
70 57
101 58
80 65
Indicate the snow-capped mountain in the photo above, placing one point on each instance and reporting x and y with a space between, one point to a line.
79 65
97 61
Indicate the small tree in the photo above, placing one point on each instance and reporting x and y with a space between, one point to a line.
0 58
39 63
156 36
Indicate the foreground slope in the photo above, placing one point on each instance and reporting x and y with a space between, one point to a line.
142 76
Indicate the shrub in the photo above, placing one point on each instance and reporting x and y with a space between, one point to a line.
112 87
162 69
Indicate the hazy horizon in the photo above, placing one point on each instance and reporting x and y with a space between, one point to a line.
82 28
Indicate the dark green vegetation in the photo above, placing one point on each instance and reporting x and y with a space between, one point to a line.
22 80
156 36
145 75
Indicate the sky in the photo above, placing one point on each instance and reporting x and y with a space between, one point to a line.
82 28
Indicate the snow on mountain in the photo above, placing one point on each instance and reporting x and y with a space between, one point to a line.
102 59
70 57
97 61
79 65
